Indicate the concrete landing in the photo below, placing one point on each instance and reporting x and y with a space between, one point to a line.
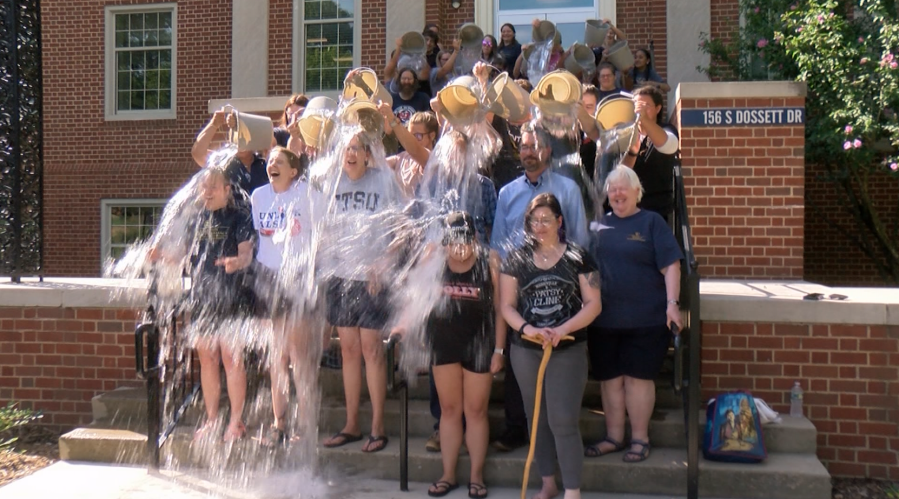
94 481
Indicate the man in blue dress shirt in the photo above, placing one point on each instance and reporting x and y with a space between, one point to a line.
508 234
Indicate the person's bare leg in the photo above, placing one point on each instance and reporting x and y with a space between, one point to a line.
304 370
476 397
448 379
614 408
376 376
351 349
210 379
236 377
640 398
278 366
572 494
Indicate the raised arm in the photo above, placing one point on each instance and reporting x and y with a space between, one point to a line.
200 149
418 152
390 68
451 63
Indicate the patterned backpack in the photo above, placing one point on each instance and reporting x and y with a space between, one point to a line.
733 430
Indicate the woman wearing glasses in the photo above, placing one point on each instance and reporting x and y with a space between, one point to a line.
549 290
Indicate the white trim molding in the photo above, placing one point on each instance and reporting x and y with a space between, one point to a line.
106 222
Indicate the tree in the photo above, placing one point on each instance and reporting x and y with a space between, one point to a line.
847 53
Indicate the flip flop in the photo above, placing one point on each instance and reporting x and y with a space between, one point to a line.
595 451
376 444
443 488
477 490
346 438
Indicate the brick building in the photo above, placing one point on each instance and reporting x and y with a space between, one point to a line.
128 84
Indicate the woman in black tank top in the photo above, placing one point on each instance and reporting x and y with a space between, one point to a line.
462 333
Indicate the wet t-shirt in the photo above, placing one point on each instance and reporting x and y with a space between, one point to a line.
358 236
282 220
631 253
548 298
217 236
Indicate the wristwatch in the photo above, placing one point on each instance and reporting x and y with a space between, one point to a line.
674 302
499 350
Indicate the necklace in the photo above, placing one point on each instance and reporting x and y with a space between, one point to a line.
552 254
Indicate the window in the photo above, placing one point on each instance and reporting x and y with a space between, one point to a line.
326 38
125 222
568 16
140 61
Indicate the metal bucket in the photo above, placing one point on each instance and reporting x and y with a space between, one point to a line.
581 61
595 32
508 99
250 132
620 55
471 35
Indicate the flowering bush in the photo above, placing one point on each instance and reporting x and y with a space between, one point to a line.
847 53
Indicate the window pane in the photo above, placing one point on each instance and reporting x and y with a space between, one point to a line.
165 79
123 103
137 80
124 80
571 32
123 61
165 20
151 38
152 59
165 99
165 59
329 54
313 10
346 9
121 22
137 21
151 100
117 235
135 38
121 39
116 215
151 21
137 100
137 61
543 4
165 36
116 252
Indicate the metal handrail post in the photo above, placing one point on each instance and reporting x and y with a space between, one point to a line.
399 387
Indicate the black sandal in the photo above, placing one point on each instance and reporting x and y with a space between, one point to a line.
641 456
477 490
595 451
443 488
345 438
375 444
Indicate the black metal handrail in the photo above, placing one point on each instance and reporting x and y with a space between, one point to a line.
147 366
399 386
691 333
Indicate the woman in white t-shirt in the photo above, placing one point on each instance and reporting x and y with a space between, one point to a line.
282 218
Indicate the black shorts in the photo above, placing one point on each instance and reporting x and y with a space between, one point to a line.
272 300
637 352
351 305
473 350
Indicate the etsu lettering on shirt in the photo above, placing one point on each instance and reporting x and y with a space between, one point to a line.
358 200
460 291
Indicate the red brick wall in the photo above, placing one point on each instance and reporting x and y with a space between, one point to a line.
57 359
745 187
645 21
831 256
850 374
87 158
374 35
280 47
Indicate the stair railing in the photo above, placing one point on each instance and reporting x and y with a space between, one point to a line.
399 386
167 399
689 337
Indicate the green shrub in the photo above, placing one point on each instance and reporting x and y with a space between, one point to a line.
11 418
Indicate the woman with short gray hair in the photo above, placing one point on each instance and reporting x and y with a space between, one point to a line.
639 263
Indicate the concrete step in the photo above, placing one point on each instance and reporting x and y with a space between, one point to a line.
781 476
103 445
666 428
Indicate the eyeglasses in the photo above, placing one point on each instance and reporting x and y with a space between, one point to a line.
528 147
542 222
355 149
419 136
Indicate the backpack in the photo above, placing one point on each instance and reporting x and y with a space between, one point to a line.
733 430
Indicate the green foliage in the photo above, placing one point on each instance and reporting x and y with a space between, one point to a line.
847 53
11 417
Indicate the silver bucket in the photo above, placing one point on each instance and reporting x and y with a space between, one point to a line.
620 56
595 32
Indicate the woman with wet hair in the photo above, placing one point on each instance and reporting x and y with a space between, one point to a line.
357 298
417 139
550 293
640 269
462 332
283 221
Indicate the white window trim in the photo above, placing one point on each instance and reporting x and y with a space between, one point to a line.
105 227
298 71
488 13
110 63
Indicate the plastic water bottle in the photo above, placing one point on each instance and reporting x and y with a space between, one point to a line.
796 401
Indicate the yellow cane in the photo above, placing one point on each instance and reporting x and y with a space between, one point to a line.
547 352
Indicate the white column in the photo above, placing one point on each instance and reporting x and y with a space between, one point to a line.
483 15
403 16
249 48
686 20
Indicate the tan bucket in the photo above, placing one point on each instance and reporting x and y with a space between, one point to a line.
508 99
460 104
366 86
251 132
471 35
581 60
616 111
557 92
413 43
595 32
620 55
316 122
365 114
543 31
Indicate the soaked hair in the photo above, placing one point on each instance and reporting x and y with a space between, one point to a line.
300 163
426 118
627 176
514 40
545 200
656 95
531 128
219 174
294 100
592 90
